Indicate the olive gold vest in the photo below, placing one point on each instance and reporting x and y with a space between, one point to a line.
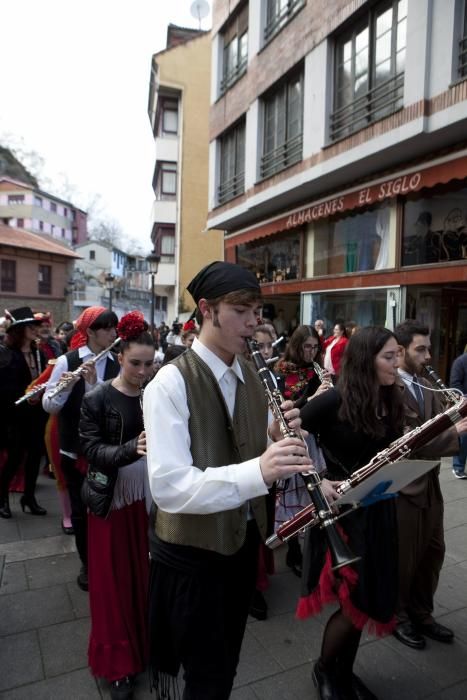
218 440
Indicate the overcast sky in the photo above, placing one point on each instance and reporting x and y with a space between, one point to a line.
74 81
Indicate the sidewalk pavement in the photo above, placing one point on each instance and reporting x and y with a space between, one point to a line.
44 623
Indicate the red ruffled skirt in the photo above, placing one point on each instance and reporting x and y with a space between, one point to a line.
118 569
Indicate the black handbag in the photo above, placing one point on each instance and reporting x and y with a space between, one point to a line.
97 492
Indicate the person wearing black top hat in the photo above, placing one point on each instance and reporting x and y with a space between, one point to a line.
21 362
210 469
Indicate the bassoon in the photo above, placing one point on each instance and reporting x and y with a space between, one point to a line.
402 448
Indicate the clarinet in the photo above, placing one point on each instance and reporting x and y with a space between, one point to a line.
340 552
451 395
401 448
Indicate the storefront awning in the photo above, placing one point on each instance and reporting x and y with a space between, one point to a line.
403 183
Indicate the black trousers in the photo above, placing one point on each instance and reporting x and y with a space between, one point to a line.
79 516
197 617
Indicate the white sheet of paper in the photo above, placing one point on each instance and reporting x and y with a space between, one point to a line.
398 473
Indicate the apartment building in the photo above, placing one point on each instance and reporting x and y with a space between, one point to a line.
179 115
338 158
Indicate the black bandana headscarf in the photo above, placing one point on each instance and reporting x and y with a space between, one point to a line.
219 278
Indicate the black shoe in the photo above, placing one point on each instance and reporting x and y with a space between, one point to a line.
258 607
459 474
32 504
122 689
435 631
67 530
406 633
360 691
5 511
82 579
325 683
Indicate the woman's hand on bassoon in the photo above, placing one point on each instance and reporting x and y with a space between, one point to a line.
329 490
284 458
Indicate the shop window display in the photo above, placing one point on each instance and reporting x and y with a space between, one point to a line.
273 259
435 229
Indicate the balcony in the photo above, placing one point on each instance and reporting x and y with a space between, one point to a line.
381 101
164 212
231 188
231 77
282 157
167 148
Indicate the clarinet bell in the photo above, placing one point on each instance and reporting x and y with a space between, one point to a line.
341 554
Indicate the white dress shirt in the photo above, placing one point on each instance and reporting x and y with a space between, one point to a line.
55 404
177 485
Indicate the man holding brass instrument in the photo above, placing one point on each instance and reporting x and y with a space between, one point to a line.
64 394
206 422
420 508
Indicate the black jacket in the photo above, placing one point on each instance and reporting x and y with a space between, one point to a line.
100 432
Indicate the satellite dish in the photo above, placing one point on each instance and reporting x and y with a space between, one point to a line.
199 10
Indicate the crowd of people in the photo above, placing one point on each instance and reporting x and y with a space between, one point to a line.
165 444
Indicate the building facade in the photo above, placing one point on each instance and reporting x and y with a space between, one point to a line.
25 206
179 116
35 271
338 158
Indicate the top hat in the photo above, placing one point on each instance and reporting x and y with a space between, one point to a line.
21 317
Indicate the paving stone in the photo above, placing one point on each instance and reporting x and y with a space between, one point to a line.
2 565
64 646
456 542
283 593
9 531
289 641
255 661
34 527
455 692
79 599
244 693
451 593
14 578
20 660
31 609
35 549
294 684
78 685
48 571
454 512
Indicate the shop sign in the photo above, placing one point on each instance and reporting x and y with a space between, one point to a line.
360 198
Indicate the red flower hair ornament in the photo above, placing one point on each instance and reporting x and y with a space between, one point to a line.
131 325
189 326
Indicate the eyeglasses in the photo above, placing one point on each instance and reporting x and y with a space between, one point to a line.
310 347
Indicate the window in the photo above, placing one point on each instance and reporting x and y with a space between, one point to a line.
278 13
463 46
169 117
283 126
45 279
65 212
232 164
20 223
63 233
274 261
41 225
164 243
16 199
53 207
164 304
370 64
8 276
92 255
165 180
37 201
235 56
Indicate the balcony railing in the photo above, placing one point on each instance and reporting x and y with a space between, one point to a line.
281 157
380 101
233 75
228 189
463 57
280 19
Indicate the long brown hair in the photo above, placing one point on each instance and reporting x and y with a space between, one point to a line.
363 399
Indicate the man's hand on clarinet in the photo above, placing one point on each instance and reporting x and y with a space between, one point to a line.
291 415
284 458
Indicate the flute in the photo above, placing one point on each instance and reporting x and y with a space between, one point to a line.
38 389
65 383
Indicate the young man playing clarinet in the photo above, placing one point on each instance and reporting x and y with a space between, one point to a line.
210 469
95 331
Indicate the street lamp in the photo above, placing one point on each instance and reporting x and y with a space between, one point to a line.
109 285
153 261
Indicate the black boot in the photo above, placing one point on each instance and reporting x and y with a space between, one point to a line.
31 503
5 511
325 682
